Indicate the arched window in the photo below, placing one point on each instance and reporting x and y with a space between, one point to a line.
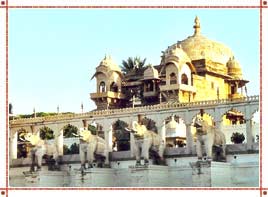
102 87
184 79
173 78
149 86
114 87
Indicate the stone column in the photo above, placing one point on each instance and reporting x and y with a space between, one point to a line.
218 125
13 144
132 145
59 142
108 135
189 139
249 134
236 87
144 87
161 128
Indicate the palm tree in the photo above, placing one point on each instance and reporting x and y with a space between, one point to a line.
132 64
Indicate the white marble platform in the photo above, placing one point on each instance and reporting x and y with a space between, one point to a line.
239 171
93 177
211 174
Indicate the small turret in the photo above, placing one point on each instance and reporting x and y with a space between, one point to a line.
108 91
234 68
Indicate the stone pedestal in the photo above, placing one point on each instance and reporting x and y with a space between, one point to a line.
93 177
150 176
46 179
211 174
245 175
180 177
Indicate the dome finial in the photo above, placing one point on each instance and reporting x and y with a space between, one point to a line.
197 26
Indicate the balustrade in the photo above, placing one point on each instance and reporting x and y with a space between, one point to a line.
162 106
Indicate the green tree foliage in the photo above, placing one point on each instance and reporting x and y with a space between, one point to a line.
22 151
68 131
132 64
237 138
44 114
119 130
93 129
46 133
66 150
41 114
74 149
122 137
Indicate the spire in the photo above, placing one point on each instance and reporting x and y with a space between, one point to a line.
197 26
82 107
34 113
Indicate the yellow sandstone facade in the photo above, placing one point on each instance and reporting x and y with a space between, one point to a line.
194 69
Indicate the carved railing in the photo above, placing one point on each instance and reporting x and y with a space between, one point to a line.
162 106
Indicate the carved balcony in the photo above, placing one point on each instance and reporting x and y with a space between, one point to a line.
108 94
182 87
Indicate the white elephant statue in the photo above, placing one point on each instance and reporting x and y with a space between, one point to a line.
143 142
211 137
91 147
39 148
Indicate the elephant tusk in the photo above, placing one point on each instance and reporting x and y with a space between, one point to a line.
130 130
22 139
74 134
127 129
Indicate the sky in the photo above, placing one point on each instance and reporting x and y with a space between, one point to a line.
53 53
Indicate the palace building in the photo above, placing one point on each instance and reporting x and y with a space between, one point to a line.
194 69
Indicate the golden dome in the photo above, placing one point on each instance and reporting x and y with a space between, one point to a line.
234 68
199 47
109 64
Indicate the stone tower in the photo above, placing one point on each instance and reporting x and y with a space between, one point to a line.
108 93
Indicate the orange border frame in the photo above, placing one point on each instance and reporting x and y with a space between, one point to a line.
263 4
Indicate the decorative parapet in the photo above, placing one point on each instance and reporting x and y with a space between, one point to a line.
177 87
112 112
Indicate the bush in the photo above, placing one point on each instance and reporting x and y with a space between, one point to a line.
46 133
66 150
74 149
237 138
68 131
92 129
